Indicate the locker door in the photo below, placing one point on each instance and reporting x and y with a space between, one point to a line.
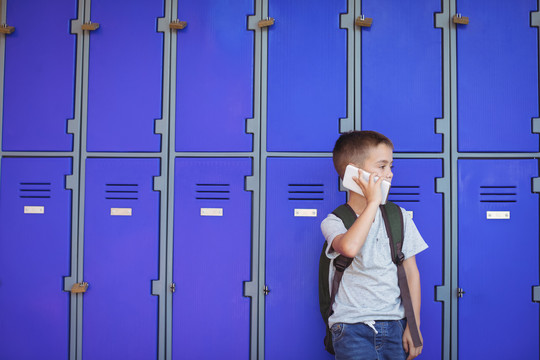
214 83
125 76
497 76
402 72
300 194
212 259
413 188
35 232
307 75
39 75
498 259
121 249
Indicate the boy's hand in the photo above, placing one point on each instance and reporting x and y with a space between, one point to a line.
371 188
408 344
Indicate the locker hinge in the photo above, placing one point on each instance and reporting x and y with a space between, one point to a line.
172 287
460 292
441 293
536 185
250 289
536 294
266 290
535 126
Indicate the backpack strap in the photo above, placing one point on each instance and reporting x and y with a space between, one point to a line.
348 216
393 221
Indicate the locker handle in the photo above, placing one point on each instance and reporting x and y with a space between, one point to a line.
6 29
458 19
363 21
79 288
177 24
267 22
90 26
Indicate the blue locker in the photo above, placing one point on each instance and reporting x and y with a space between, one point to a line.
402 73
498 259
35 242
212 259
307 75
294 328
413 188
214 82
497 76
39 76
125 76
121 258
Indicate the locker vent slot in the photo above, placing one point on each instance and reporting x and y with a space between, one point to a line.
121 191
212 191
35 190
498 194
310 192
404 193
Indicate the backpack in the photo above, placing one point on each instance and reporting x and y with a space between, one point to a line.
393 221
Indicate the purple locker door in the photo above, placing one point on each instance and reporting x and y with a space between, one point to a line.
39 75
402 73
121 256
35 232
301 193
413 188
212 259
214 83
125 76
307 75
497 76
498 259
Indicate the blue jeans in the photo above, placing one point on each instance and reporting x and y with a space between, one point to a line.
359 341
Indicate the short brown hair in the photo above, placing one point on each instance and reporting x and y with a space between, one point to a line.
353 147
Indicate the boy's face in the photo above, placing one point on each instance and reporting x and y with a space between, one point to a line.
379 161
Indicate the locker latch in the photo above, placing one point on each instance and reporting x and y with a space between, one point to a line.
172 287
6 29
90 26
177 24
458 19
79 288
266 290
363 21
460 292
266 22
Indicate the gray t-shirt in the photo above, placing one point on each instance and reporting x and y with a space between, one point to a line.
369 288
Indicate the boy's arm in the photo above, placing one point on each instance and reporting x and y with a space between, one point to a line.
413 279
350 243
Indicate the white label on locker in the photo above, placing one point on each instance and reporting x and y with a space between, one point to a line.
305 212
410 212
121 212
498 215
211 211
34 209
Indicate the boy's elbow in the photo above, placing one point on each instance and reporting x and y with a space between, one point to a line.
349 251
344 247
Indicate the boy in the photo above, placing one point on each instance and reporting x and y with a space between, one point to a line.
368 317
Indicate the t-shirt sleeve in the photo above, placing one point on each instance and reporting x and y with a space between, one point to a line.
413 243
331 227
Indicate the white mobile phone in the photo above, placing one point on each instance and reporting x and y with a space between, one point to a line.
349 183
